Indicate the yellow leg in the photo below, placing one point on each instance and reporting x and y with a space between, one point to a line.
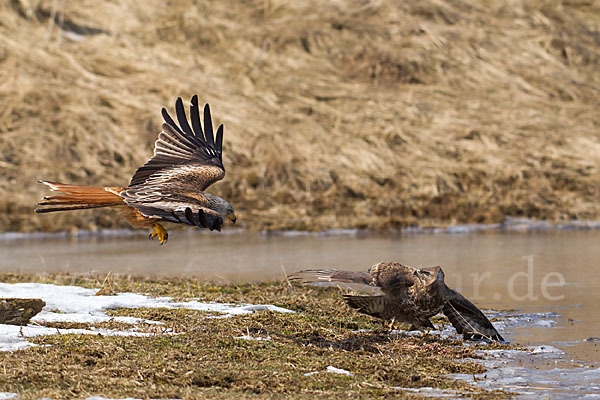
159 231
391 325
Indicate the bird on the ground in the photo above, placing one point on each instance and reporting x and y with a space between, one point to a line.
407 294
169 187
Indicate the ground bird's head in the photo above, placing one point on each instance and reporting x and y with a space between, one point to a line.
431 275
221 206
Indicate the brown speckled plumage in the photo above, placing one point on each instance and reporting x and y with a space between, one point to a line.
408 295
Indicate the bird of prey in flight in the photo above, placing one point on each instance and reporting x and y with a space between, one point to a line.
409 295
170 187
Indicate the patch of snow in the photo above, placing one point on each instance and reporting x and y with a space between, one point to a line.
509 370
533 383
13 337
248 337
49 316
447 332
427 391
7 395
77 304
545 349
78 300
247 309
105 398
340 371
332 370
509 224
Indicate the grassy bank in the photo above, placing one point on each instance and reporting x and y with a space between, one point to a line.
353 113
205 359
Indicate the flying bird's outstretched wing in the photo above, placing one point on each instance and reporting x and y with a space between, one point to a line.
186 160
169 187
468 320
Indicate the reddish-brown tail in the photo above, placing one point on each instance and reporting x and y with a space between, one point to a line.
74 197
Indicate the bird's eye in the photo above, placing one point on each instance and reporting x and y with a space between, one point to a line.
426 273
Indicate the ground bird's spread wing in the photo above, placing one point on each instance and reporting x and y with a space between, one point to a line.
332 275
468 320
375 306
391 276
186 160
409 295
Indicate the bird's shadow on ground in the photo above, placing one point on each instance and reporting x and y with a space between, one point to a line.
359 341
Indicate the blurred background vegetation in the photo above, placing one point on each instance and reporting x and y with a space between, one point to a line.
354 113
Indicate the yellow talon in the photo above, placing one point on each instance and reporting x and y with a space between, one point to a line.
391 325
161 232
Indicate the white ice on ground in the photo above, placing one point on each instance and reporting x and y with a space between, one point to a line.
13 337
48 316
78 300
248 337
332 370
532 383
7 395
427 391
340 371
105 398
517 371
509 370
77 304
545 349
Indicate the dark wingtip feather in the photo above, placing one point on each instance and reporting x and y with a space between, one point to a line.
208 129
189 215
202 219
181 117
219 142
195 117
175 216
169 120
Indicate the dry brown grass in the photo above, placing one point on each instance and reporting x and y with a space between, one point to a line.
206 359
358 113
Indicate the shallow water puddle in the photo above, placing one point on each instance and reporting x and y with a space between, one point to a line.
537 372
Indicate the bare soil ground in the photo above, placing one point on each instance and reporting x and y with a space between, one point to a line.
357 113
205 359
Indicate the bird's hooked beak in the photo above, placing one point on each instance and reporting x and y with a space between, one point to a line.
419 273
416 273
233 218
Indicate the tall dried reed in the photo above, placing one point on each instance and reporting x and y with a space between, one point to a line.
355 113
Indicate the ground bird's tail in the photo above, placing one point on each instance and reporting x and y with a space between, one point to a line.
73 197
